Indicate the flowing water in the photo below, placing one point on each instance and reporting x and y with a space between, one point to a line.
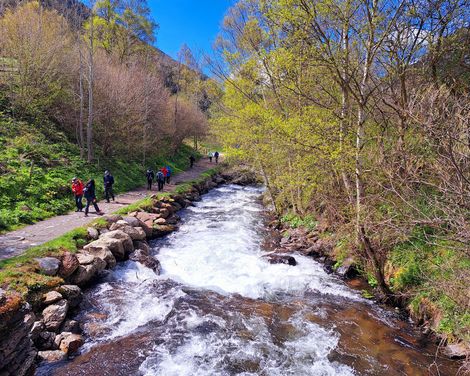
219 308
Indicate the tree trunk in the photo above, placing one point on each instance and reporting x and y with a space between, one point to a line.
81 139
90 93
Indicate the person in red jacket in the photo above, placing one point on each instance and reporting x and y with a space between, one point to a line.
164 171
77 189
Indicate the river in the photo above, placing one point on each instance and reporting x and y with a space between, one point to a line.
219 308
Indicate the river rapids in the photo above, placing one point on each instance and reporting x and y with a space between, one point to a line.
219 308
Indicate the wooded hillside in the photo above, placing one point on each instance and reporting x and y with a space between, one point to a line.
89 77
357 112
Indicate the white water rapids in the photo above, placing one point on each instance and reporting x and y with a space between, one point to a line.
219 308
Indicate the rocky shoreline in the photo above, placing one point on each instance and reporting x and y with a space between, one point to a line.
42 329
284 240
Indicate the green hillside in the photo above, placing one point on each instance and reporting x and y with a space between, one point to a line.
37 162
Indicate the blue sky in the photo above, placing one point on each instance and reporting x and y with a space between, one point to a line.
194 22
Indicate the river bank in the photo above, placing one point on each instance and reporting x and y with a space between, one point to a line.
318 242
41 293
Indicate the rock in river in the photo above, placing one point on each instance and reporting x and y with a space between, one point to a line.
281 259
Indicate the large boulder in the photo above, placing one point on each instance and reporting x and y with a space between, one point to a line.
85 258
48 265
72 293
132 221
85 273
107 242
104 253
68 264
122 237
54 315
136 233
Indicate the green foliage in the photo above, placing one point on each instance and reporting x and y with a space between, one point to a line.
37 164
295 221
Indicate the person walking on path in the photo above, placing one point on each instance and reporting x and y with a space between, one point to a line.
160 180
150 176
216 155
168 174
165 173
191 161
77 189
108 180
210 157
90 196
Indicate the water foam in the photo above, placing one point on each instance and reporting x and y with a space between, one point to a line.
218 248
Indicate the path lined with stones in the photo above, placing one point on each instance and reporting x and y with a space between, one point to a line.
16 242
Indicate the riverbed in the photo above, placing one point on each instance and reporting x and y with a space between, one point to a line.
220 308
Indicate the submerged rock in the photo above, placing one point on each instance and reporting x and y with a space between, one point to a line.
146 260
347 269
142 245
281 259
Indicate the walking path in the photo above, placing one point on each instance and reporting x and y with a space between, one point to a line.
16 242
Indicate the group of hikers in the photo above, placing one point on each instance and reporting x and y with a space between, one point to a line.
162 177
213 155
88 191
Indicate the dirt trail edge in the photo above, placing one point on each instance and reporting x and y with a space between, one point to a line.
16 242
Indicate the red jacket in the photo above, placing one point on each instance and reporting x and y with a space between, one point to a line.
165 171
77 188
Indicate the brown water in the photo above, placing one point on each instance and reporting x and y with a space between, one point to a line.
220 309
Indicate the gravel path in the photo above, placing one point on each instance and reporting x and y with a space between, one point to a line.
16 242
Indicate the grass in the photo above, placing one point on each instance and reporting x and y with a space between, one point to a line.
37 164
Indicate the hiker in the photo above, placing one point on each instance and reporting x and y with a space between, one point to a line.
165 173
216 155
108 180
168 174
191 161
150 176
77 189
90 196
160 180
210 156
